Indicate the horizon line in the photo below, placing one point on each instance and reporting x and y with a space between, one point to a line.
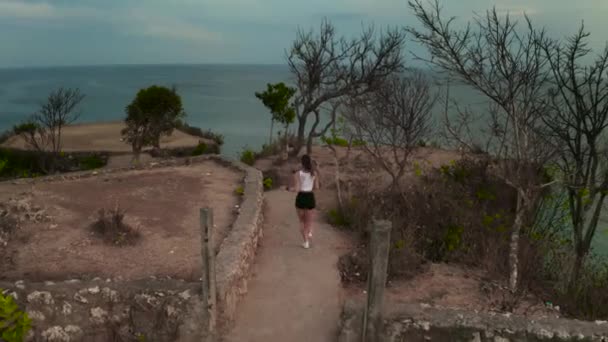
135 64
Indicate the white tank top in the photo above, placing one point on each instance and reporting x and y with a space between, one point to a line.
307 181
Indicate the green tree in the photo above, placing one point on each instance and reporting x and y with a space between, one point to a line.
154 112
277 98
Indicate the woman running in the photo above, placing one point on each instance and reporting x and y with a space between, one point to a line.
305 181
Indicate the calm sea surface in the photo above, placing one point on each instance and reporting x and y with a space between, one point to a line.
216 97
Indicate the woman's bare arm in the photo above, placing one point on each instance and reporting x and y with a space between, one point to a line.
296 182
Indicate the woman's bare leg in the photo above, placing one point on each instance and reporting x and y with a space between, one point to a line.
310 217
302 219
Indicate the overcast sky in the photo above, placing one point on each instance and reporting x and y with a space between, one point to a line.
91 32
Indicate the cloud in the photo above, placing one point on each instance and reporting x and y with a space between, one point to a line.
19 9
516 11
179 31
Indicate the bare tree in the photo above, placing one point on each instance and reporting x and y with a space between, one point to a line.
392 120
498 58
579 115
42 131
328 68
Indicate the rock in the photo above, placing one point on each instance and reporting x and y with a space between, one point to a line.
476 337
20 284
146 298
40 297
171 311
36 315
56 334
81 299
500 339
185 295
98 315
49 283
72 281
94 290
109 295
66 309
73 331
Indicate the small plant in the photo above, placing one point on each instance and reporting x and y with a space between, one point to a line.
248 156
338 218
240 191
114 231
3 164
14 323
268 183
215 137
91 162
200 149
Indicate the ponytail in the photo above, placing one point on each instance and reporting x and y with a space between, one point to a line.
307 164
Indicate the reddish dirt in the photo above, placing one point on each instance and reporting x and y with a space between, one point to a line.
455 287
445 285
163 204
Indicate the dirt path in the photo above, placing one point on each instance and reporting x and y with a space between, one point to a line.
295 294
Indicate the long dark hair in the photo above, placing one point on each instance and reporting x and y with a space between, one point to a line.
307 164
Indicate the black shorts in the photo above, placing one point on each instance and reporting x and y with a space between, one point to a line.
305 200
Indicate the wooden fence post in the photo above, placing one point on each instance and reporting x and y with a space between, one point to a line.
379 247
208 268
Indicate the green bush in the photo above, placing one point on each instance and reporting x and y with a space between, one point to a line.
239 191
198 132
338 218
17 163
248 156
91 162
14 323
200 149
268 183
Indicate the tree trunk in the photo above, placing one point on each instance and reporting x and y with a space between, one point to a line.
576 270
300 139
309 145
514 247
271 131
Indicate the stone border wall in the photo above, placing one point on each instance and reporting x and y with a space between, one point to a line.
238 249
111 310
410 322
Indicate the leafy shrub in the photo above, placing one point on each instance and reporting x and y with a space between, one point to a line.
200 149
91 162
239 191
248 156
113 230
338 218
14 323
215 137
198 132
268 183
18 163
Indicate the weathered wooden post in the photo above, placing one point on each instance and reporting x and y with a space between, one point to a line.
208 267
379 247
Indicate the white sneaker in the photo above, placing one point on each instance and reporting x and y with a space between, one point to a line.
306 245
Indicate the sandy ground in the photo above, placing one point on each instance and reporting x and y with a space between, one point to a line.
295 294
103 137
163 204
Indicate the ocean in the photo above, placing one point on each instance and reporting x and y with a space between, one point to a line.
216 97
